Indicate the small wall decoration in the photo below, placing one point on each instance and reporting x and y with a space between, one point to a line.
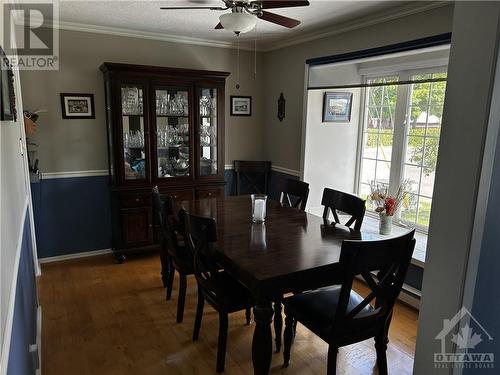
281 107
77 106
241 106
7 94
337 107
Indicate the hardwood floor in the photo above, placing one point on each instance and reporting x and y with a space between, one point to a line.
104 318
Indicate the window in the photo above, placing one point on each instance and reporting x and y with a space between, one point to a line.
402 125
378 134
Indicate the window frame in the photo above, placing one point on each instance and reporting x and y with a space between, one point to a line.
400 133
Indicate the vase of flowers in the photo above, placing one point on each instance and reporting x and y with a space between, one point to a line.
387 205
385 224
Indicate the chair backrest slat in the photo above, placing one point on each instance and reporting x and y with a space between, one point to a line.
294 194
390 260
334 200
201 236
171 229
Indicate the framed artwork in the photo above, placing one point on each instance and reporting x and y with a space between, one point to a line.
337 107
7 94
77 106
241 106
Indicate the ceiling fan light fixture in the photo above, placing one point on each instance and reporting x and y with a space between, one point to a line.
238 22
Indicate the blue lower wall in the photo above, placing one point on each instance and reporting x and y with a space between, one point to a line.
230 188
25 311
72 215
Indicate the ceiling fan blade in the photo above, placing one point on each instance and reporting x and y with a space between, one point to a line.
219 26
179 8
279 20
272 4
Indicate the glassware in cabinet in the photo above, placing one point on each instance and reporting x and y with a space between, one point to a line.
133 132
208 103
172 132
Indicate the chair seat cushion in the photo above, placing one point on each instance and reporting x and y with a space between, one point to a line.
316 309
229 293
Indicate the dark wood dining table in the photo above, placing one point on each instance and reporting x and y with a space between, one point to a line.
292 251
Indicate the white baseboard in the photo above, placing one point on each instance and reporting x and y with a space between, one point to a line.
85 254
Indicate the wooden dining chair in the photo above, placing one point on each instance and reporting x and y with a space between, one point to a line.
339 315
252 172
180 258
294 194
159 212
334 200
224 293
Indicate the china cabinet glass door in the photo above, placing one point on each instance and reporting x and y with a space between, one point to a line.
208 141
172 132
134 134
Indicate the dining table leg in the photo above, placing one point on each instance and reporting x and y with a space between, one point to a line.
262 345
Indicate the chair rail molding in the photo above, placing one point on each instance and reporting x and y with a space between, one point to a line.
275 168
72 174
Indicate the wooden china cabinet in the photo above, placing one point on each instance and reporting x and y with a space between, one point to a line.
165 127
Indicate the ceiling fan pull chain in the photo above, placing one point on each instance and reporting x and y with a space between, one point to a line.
238 62
255 53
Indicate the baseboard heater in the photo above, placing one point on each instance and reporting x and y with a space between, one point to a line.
409 295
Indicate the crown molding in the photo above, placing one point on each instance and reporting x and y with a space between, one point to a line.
356 24
86 28
359 23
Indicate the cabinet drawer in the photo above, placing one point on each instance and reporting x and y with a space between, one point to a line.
141 199
179 195
205 193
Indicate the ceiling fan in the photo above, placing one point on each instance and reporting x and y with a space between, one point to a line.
244 13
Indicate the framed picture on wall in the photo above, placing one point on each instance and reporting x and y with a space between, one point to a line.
77 106
337 107
241 106
7 95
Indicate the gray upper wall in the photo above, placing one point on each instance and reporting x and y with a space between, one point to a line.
285 72
80 145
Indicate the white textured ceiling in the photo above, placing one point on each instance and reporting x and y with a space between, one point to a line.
146 16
